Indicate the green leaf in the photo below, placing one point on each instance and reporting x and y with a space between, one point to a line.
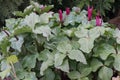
30 76
19 13
44 29
85 78
74 75
31 20
32 48
36 6
47 63
64 47
77 55
70 19
109 61
116 63
56 30
57 77
4 45
44 18
22 30
17 44
75 45
29 61
104 50
81 66
21 74
59 57
43 55
96 32
68 32
86 71
87 37
12 23
95 64
105 73
2 35
64 67
49 75
28 10
4 73
109 32
83 18
78 17
118 49
73 64
82 33
5 69
40 38
86 44
92 33
47 8
1 57
4 65
116 35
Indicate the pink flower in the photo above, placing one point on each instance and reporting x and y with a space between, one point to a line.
67 11
90 13
42 7
60 15
98 19
76 9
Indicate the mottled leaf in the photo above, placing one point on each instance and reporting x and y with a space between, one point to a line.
116 63
64 67
74 75
17 44
64 47
86 44
105 73
77 55
59 57
44 30
95 64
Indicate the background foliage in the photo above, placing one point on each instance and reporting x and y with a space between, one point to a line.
7 7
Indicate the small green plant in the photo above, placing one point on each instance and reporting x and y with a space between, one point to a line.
40 46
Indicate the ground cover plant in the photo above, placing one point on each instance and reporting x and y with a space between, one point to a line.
68 45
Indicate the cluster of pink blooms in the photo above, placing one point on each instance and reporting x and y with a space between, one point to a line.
98 16
61 15
89 12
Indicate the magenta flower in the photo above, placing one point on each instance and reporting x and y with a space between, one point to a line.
98 19
67 11
90 13
60 15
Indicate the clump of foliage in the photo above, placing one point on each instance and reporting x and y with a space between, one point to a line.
40 46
